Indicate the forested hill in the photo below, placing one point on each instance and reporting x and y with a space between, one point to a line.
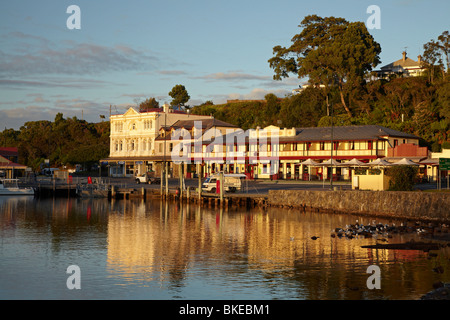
411 105
63 141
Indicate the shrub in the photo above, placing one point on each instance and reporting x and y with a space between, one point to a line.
403 178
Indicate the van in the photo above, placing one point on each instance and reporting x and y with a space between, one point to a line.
232 182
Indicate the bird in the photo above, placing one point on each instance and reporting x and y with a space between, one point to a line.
314 237
438 269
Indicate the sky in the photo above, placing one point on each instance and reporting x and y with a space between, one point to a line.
127 51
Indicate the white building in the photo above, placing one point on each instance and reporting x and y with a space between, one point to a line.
405 67
132 138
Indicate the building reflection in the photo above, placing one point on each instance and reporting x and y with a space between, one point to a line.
169 243
147 243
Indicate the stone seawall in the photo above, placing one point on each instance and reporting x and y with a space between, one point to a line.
410 205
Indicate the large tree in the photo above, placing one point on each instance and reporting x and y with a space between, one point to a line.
331 52
179 95
149 103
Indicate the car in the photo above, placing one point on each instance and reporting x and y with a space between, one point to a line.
148 177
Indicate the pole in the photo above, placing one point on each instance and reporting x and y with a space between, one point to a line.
162 178
332 147
181 180
167 178
200 173
221 188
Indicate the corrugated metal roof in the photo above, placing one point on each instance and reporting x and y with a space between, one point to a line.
365 132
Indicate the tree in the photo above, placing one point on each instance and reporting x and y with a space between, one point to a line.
431 55
150 103
329 51
444 45
179 95
403 178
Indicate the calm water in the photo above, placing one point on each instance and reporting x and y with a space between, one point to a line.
155 250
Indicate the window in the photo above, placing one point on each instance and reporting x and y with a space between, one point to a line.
351 145
147 124
118 127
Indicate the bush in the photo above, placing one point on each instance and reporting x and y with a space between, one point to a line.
403 178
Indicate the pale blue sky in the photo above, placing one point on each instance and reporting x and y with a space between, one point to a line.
127 51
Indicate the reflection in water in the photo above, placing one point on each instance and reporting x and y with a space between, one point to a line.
164 250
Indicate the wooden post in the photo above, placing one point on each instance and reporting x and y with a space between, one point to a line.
167 178
221 187
200 173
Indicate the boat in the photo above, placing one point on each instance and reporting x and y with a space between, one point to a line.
10 187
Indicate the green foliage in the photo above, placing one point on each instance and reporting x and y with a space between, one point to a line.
179 95
329 51
149 103
63 141
403 178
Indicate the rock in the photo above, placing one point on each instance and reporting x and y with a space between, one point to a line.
441 292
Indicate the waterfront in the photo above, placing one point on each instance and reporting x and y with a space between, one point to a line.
135 249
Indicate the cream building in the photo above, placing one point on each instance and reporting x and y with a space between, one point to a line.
132 138
405 66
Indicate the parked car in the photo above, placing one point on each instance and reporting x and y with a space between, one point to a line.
148 177
232 182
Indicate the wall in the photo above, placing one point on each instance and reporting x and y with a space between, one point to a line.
413 205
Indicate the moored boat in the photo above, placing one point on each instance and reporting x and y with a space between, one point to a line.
10 187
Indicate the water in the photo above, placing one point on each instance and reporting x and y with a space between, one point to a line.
131 249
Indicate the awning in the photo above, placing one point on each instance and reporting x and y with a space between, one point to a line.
352 163
405 162
380 162
330 162
310 162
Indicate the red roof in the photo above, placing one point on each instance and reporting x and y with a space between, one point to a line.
9 151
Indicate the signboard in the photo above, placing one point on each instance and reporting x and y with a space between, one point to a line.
444 164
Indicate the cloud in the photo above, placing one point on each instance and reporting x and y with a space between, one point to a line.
255 94
69 58
78 83
42 109
172 72
232 76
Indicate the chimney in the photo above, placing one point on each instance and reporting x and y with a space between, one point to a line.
404 56
419 58
166 108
